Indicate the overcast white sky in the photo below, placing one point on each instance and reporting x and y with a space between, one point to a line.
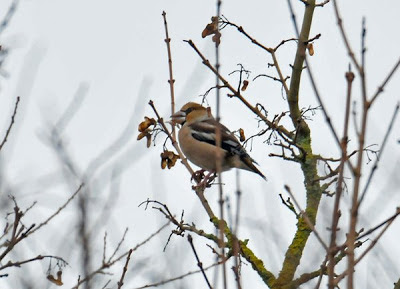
115 51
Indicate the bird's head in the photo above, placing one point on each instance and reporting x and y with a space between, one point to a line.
190 112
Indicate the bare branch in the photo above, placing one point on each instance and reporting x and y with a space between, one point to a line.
59 210
199 263
178 277
121 281
306 218
386 80
375 166
10 13
11 123
171 79
237 94
344 36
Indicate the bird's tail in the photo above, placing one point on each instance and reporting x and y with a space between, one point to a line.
251 167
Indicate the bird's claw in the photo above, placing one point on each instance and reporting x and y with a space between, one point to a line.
198 176
203 181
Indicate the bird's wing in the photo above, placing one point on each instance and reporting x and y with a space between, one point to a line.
205 131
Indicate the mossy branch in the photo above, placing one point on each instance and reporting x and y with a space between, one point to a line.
308 166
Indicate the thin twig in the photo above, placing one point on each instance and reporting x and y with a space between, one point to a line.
171 79
219 156
58 210
390 219
235 240
37 258
352 233
385 81
344 36
237 94
178 277
199 191
118 245
339 187
181 226
322 4
124 270
10 13
107 265
386 225
11 123
306 218
199 263
378 158
267 49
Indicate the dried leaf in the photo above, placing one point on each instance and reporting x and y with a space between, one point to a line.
163 163
141 135
310 48
172 160
146 123
245 84
148 144
217 38
57 281
209 30
242 136
212 29
168 158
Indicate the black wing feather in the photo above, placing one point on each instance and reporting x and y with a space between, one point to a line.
205 131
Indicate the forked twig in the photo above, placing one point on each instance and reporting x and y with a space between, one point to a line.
237 94
45 222
306 218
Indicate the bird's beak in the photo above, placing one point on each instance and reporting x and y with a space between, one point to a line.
178 117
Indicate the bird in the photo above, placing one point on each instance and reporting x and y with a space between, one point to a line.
197 139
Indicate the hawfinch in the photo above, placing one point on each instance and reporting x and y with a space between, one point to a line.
198 143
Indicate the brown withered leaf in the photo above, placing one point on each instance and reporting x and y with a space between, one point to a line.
168 159
209 30
163 163
209 111
143 134
245 84
146 123
241 134
212 29
57 281
172 161
310 48
146 133
148 143
217 38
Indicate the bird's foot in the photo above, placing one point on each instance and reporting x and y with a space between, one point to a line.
198 176
205 181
